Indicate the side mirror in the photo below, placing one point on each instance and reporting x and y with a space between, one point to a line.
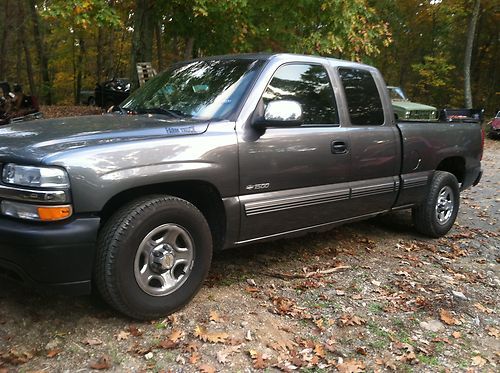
282 113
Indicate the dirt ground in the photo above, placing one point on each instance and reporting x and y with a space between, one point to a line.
372 296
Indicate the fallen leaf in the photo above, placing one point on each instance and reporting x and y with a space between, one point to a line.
194 358
222 355
191 347
351 320
212 337
205 368
53 353
168 344
16 357
123 335
456 335
215 317
361 350
134 331
351 366
104 362
176 335
251 289
282 345
478 361
494 332
482 308
319 350
92 342
447 317
258 359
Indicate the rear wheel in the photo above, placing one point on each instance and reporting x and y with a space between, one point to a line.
436 215
153 256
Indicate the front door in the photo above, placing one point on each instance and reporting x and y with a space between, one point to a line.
296 177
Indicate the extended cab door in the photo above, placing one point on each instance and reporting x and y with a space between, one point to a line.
293 178
375 141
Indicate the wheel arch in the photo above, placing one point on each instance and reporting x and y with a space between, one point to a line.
453 165
201 194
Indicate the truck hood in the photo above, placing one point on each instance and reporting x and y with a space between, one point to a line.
37 139
411 106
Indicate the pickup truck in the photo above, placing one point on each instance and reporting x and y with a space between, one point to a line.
404 109
211 154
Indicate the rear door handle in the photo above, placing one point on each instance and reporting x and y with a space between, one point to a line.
339 147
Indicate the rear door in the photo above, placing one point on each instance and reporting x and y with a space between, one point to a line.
374 141
292 178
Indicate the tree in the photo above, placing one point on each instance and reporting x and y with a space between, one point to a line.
471 32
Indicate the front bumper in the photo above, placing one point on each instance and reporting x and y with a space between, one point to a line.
49 255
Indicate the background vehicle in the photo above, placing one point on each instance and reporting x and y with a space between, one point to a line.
111 92
461 115
87 97
28 106
494 127
212 154
407 110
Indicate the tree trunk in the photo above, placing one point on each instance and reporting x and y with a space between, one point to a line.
79 68
27 54
142 39
43 60
471 33
159 46
188 50
3 40
100 55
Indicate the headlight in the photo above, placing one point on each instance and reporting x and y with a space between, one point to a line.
407 114
42 177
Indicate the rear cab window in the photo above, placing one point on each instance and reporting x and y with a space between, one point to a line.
363 99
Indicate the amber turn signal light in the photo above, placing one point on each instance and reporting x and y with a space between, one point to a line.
52 213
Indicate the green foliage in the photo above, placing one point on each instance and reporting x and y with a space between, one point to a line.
82 13
417 44
435 81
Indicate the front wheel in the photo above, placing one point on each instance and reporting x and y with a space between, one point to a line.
436 215
153 256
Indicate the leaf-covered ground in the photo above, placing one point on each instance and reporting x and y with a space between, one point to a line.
372 296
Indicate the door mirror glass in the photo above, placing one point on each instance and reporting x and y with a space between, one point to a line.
283 113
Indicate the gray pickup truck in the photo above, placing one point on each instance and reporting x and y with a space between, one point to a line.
212 154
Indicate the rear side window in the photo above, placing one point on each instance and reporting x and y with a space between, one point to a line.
310 86
363 99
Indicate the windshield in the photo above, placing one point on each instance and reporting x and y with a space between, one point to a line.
207 90
397 93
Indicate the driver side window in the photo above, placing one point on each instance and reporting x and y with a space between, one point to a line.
309 85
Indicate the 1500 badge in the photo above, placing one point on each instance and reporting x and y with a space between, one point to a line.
257 186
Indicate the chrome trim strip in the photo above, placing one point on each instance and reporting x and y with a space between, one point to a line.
279 204
415 182
367 191
310 227
31 195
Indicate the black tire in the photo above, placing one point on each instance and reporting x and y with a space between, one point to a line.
437 214
125 249
91 101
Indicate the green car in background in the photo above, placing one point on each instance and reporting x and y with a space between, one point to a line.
407 110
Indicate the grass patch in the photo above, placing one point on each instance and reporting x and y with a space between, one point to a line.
376 308
427 360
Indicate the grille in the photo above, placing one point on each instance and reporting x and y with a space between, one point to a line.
422 114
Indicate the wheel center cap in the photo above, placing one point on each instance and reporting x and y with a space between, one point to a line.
162 258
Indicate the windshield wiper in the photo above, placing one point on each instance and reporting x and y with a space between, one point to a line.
159 110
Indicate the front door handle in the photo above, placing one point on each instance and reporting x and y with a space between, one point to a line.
339 147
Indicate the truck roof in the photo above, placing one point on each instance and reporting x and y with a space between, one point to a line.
265 56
